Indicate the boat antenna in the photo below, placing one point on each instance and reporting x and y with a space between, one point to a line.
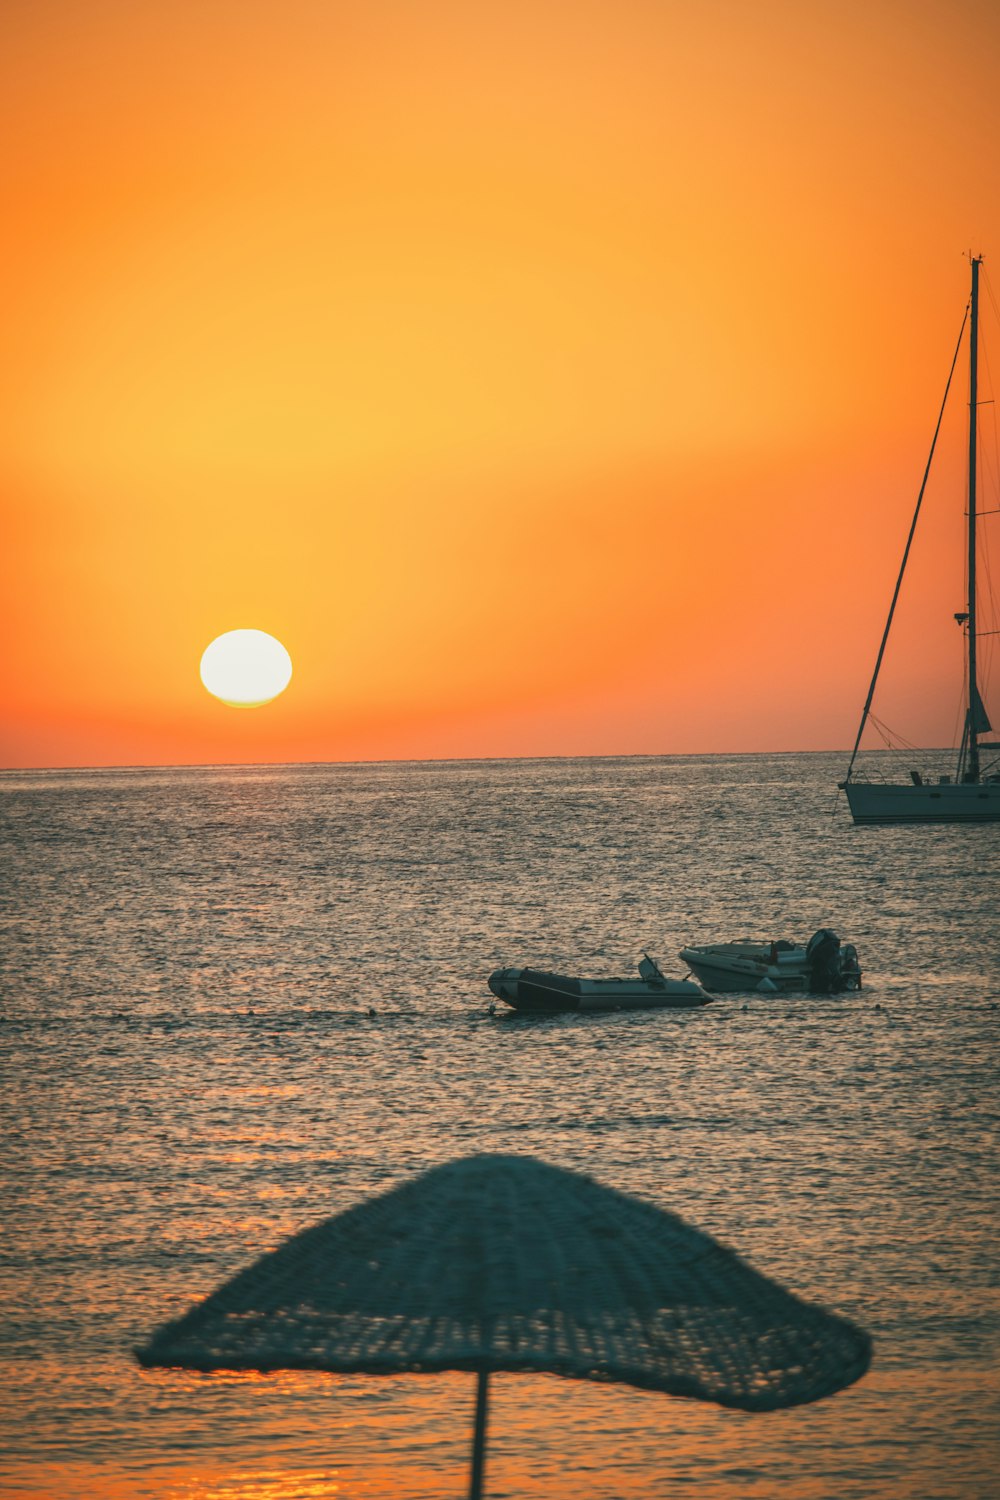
906 553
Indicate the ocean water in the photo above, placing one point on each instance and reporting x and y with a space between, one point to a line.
238 1000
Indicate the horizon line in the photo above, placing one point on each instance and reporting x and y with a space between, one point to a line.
452 760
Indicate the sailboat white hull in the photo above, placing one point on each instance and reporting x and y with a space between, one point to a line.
950 802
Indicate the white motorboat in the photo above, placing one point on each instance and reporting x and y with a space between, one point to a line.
823 966
538 991
972 793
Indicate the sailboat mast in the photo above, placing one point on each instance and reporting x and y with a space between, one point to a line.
972 763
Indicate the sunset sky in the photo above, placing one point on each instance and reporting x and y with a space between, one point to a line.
549 376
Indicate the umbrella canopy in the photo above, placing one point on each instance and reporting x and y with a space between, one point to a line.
505 1263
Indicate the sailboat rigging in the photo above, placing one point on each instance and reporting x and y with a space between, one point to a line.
972 795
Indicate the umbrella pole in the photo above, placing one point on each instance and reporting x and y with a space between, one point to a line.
479 1437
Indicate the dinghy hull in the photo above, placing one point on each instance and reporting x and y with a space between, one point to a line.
823 966
536 991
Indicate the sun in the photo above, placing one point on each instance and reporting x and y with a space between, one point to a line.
246 668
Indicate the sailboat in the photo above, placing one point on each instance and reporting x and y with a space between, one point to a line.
972 793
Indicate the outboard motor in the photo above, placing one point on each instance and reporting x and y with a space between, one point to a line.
823 958
850 967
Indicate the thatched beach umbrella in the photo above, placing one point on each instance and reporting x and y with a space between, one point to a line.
505 1263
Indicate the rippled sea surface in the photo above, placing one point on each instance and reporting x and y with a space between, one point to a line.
236 1001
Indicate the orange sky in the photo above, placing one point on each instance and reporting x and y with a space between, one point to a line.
551 377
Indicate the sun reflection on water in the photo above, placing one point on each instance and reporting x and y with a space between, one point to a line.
266 1485
164 1138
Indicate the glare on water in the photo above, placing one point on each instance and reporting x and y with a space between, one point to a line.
236 1001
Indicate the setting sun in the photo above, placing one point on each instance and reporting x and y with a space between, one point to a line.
246 668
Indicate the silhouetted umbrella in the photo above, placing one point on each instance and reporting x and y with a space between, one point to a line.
505 1263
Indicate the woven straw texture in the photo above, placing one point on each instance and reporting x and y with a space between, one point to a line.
505 1263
